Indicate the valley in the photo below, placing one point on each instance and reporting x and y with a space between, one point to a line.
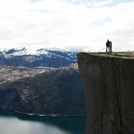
41 90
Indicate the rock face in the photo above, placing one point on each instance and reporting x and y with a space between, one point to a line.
108 83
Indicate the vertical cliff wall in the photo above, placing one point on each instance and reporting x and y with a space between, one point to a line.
108 83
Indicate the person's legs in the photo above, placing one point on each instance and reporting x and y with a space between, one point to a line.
107 49
110 49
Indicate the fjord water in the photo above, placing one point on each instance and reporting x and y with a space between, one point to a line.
14 123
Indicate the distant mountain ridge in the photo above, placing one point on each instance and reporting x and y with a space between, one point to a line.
41 57
49 57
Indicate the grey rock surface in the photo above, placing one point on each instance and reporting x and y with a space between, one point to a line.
108 83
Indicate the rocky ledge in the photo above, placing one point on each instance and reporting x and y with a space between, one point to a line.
108 83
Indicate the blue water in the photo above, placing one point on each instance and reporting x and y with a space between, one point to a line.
14 123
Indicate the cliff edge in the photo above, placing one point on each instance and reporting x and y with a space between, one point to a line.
108 83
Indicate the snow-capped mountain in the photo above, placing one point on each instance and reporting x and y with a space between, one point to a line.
37 52
37 57
50 57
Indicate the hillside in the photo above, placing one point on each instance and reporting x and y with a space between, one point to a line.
54 92
11 74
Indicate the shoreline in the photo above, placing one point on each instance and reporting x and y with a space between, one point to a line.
43 115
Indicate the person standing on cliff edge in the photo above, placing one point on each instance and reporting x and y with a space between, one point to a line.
108 46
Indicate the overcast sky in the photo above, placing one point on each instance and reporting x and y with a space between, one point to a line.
66 23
